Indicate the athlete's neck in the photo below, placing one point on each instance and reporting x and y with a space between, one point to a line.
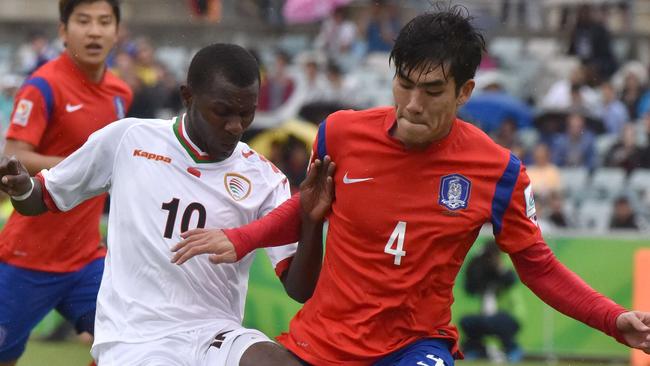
192 134
94 73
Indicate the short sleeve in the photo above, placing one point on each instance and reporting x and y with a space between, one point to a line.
32 111
514 217
88 171
280 256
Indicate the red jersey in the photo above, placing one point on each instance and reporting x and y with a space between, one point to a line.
56 110
400 228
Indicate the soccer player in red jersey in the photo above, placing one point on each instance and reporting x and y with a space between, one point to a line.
413 187
55 261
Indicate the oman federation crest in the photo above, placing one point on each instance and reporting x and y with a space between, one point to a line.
454 191
237 186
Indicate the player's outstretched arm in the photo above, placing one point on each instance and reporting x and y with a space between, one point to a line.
316 196
562 289
204 241
280 227
26 153
25 192
634 327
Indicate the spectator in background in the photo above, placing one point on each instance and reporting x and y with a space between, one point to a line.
278 86
543 174
340 90
572 93
9 85
337 38
507 137
614 112
144 102
35 53
623 215
494 104
590 41
645 150
209 10
146 66
576 147
125 44
381 26
314 82
632 81
625 153
643 106
488 278
155 88
557 215
295 157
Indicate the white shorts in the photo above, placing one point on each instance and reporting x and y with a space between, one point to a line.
203 347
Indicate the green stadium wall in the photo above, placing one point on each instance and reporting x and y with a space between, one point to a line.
605 263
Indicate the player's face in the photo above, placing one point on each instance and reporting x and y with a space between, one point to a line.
91 32
220 116
426 104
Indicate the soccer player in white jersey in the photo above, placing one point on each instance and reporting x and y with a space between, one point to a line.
165 177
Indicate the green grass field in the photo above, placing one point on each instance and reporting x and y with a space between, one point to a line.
76 354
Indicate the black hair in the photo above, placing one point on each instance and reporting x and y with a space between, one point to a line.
66 7
440 38
231 61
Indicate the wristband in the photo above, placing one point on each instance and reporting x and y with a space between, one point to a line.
25 195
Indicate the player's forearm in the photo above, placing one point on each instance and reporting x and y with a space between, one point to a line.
33 161
280 227
33 205
304 271
563 290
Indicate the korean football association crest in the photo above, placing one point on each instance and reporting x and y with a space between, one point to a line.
454 192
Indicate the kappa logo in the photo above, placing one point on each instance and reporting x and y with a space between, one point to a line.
237 186
152 156
454 191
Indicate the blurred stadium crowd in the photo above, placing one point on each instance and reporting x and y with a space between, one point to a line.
574 105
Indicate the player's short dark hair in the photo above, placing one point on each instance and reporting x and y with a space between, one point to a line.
444 37
231 61
66 7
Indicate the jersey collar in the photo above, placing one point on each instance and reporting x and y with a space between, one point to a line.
192 150
71 65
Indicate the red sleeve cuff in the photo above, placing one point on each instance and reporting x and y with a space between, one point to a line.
238 240
282 266
47 198
612 330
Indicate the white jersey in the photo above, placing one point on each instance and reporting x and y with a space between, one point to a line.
160 186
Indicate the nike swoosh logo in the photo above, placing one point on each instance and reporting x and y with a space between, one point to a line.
347 180
73 108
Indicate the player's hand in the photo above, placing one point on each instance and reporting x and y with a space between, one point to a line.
635 328
14 178
204 241
317 190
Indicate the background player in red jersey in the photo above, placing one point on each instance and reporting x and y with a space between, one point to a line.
56 261
413 187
